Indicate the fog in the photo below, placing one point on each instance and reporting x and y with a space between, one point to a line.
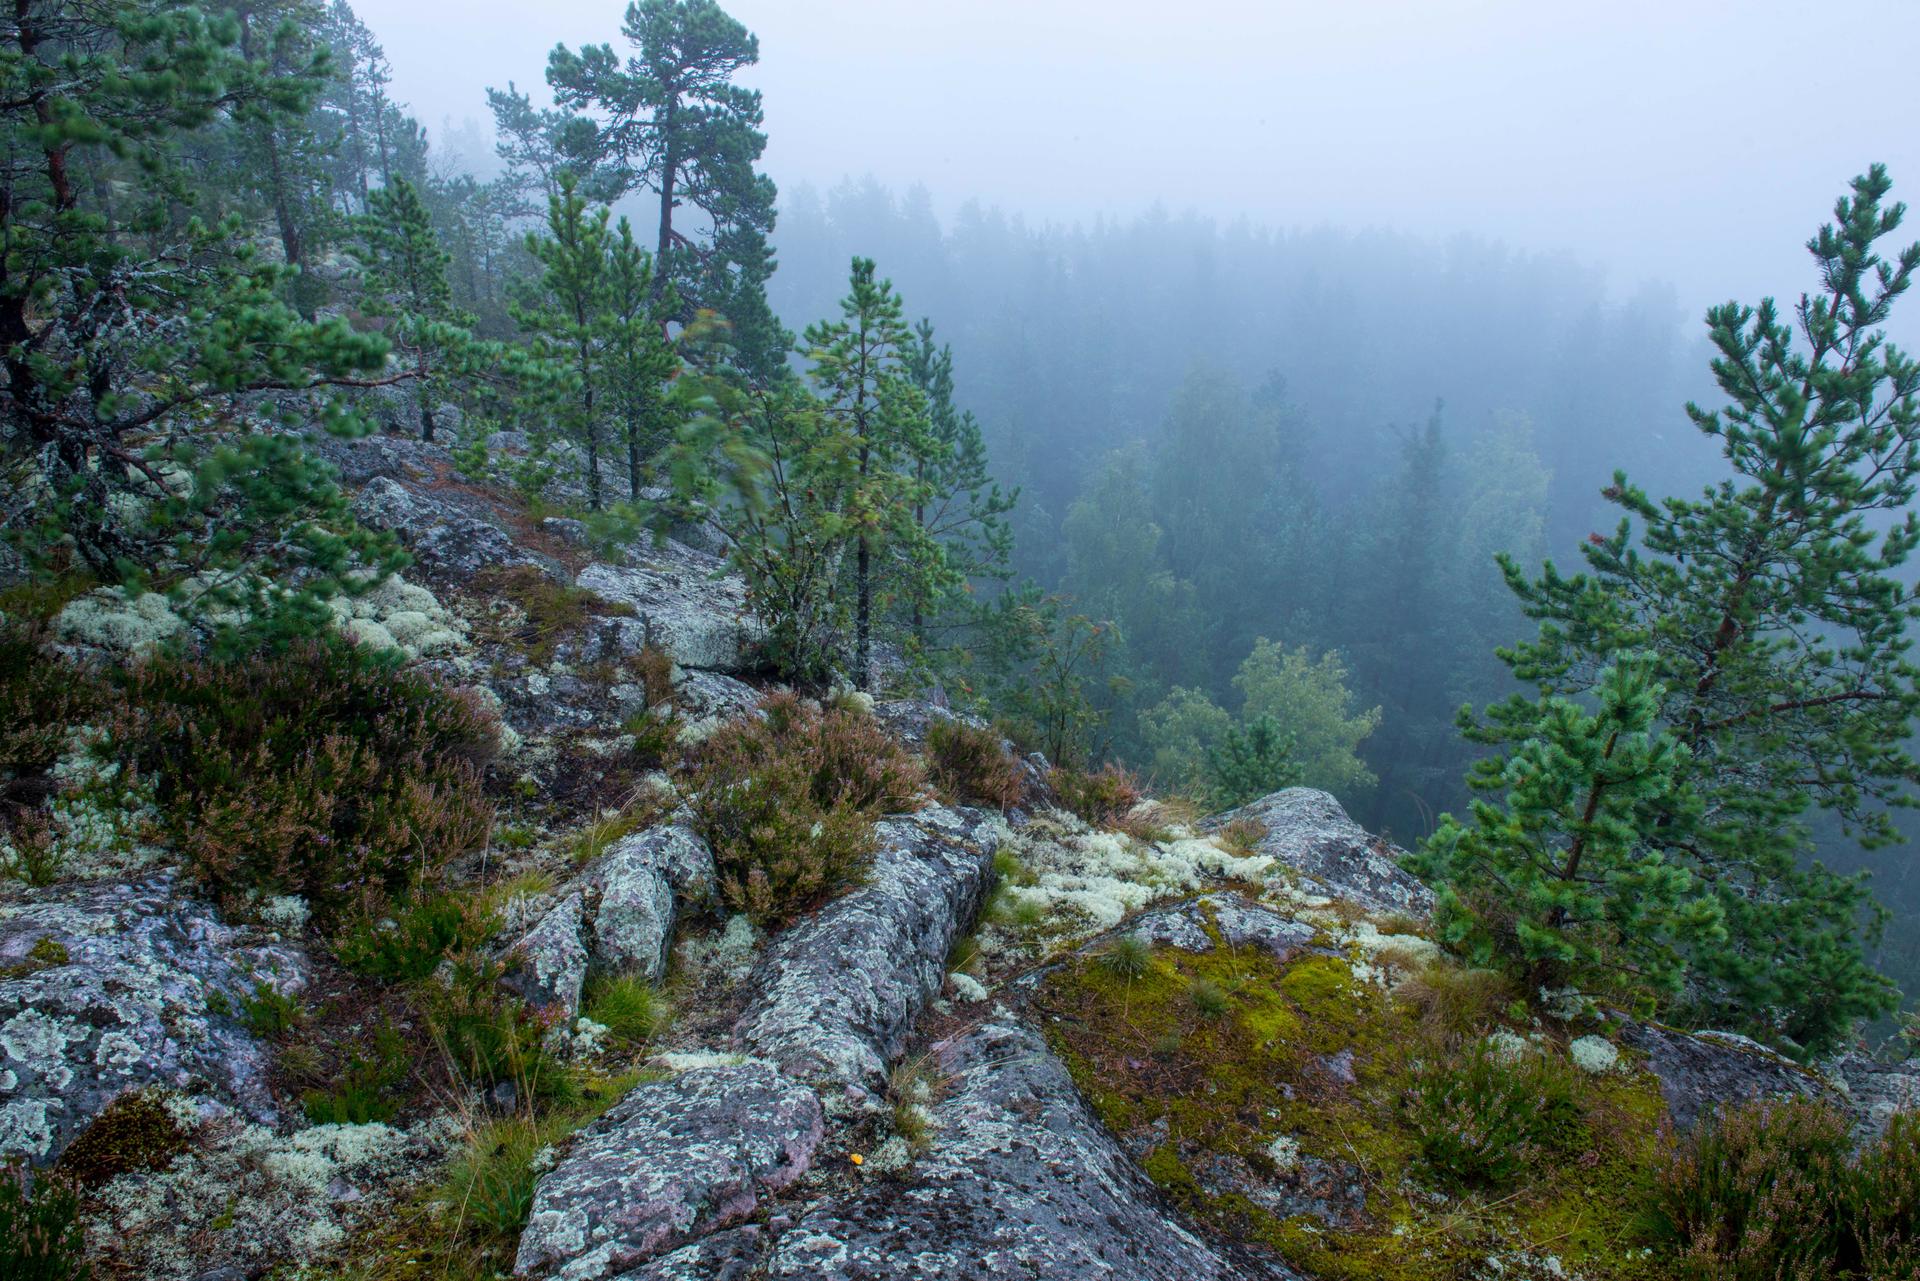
1694 143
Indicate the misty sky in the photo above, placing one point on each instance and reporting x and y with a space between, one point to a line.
1691 141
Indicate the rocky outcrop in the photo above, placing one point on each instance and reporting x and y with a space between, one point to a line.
836 994
1700 1071
108 987
550 960
1876 1091
685 604
672 1160
450 539
1309 832
1237 922
1023 1181
639 882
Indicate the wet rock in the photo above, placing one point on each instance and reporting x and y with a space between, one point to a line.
114 986
639 881
1309 832
1699 1071
1022 1181
550 960
724 1256
672 1160
1876 1091
1239 922
836 993
704 695
685 604
450 539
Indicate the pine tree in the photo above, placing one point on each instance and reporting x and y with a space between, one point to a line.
1775 626
860 371
671 119
639 358
405 282
1558 881
1249 763
566 310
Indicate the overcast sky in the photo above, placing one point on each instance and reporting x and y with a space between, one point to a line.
1691 141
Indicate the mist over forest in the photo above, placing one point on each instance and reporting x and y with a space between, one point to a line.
992 489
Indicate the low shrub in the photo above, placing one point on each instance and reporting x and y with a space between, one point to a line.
42 699
136 1131
972 765
1485 1117
1774 1188
322 772
628 1007
365 1087
788 800
40 1234
487 1035
269 1012
411 943
1102 797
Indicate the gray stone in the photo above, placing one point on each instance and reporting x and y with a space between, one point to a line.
1700 1071
1309 832
452 540
672 1160
132 1005
713 694
1022 1181
640 879
836 994
1876 1091
550 960
731 1255
686 605
1240 922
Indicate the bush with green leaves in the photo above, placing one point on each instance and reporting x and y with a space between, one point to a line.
324 771
419 934
1776 1188
365 1085
1487 1115
788 799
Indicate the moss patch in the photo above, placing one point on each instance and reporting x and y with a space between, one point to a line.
136 1131
1281 1113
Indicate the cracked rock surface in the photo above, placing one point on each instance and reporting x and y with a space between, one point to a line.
1023 1181
1309 832
837 993
639 880
672 1160
130 1004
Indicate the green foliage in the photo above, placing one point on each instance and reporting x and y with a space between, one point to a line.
1046 667
269 1012
628 1007
788 800
134 1132
421 932
322 772
1127 958
1248 764
971 764
41 701
1486 1118
364 1085
639 358
40 1234
485 1034
1776 625
1558 882
1774 1188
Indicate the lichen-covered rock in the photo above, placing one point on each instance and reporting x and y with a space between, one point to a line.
550 960
725 1256
685 605
1700 1071
1309 832
1876 1091
671 1160
836 993
1022 1181
639 880
452 540
114 986
1238 922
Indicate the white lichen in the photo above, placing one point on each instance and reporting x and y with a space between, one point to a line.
1594 1054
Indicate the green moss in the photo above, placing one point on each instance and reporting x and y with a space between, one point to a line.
134 1132
43 955
1306 1051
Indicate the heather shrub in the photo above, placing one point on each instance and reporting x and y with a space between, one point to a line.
487 1035
1101 797
420 933
365 1086
788 799
322 772
1774 1189
40 1236
1485 1118
972 765
42 697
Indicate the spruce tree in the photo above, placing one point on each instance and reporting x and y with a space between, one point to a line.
1777 629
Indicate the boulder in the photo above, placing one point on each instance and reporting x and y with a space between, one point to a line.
1699 1071
1239 922
639 881
672 1160
1876 1091
452 540
835 995
1022 1181
686 605
108 987
550 960
1309 832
